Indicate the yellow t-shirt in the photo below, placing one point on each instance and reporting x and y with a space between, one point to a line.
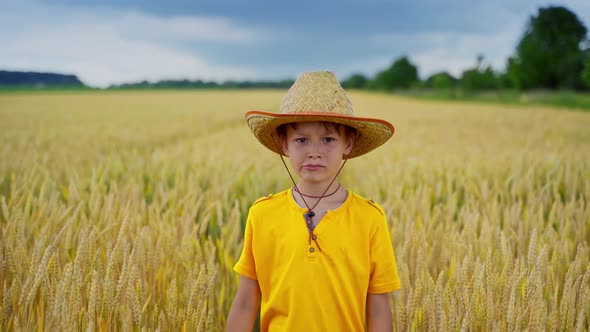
305 289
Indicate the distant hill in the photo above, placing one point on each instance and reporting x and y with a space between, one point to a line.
38 80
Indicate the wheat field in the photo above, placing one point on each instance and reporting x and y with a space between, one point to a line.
124 210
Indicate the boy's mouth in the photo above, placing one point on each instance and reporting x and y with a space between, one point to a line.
312 167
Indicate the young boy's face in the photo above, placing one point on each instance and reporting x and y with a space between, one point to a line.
316 150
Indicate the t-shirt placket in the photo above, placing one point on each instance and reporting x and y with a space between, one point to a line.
312 248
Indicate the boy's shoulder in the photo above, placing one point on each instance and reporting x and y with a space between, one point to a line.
368 204
270 199
262 199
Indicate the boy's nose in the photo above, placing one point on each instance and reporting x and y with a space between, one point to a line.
314 155
315 151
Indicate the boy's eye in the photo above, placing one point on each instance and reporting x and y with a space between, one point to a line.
329 139
301 140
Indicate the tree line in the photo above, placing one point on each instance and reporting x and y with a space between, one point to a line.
553 54
199 84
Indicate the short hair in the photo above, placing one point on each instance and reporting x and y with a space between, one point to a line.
348 130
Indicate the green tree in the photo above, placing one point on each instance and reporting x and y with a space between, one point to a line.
441 81
356 81
504 81
480 77
549 54
586 72
402 74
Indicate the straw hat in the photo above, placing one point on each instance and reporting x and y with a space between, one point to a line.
318 96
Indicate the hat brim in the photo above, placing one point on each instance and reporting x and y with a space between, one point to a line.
371 133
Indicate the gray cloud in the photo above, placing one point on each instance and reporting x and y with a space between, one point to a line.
105 48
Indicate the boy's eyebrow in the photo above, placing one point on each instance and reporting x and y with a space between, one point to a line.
298 132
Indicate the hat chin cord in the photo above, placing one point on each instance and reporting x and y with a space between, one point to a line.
308 216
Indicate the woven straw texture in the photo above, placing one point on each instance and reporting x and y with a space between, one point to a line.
318 96
316 92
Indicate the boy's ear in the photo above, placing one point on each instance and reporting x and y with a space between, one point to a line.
349 144
284 145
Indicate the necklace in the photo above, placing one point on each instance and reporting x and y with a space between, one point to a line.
310 196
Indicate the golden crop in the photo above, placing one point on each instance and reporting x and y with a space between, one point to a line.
124 210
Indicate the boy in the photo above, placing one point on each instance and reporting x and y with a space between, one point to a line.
316 256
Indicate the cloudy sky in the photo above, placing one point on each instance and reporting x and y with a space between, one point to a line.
114 41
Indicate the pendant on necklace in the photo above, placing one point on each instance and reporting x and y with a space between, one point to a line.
308 220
